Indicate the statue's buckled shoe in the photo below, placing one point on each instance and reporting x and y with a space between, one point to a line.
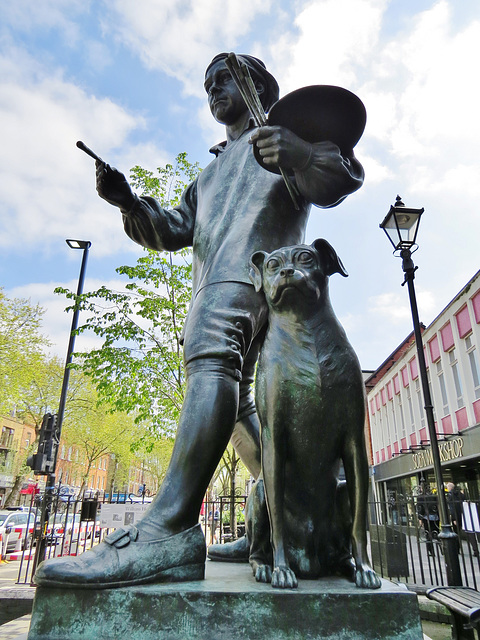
121 561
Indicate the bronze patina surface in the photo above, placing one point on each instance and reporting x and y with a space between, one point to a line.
232 210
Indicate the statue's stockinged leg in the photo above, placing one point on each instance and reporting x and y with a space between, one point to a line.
168 543
246 441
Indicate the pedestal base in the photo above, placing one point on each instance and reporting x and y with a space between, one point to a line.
228 605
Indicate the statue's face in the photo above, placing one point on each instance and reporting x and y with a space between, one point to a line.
224 99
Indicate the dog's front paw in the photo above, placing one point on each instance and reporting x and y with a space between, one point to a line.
366 578
263 573
284 578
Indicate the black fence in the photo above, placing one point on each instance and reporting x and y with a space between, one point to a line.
216 517
405 546
75 525
402 534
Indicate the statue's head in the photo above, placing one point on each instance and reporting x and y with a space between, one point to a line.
266 84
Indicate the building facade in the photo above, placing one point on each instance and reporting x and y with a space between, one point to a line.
72 468
16 440
402 456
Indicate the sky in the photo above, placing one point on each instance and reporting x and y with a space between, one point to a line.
127 79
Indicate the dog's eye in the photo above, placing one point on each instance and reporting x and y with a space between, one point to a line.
304 257
273 264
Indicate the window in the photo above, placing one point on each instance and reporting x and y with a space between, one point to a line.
420 402
410 410
394 422
434 348
402 417
388 439
381 430
463 322
6 439
474 365
443 389
456 378
446 333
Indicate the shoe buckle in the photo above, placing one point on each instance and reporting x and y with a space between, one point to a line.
122 537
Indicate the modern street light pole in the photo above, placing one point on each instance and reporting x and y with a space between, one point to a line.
85 245
401 227
48 466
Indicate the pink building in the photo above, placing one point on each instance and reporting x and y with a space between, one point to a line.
400 441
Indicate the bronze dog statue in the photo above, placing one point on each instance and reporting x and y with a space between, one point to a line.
310 397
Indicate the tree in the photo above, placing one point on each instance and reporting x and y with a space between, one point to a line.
96 432
21 346
40 396
153 460
139 368
23 379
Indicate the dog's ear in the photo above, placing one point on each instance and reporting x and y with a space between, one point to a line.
256 267
328 257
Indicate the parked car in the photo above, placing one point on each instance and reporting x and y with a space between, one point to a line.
72 528
55 528
16 524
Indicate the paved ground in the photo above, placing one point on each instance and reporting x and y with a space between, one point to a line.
16 629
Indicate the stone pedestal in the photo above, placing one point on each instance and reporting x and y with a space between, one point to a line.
228 605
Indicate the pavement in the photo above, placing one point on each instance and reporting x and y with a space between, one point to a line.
18 629
23 594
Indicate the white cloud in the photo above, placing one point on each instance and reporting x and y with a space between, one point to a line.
31 15
179 37
420 90
390 305
375 170
47 184
332 39
56 322
395 306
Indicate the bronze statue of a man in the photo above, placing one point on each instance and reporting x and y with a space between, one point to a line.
234 208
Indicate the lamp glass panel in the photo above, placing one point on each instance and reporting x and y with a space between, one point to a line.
401 225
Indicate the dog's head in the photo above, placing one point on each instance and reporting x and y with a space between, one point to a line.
301 268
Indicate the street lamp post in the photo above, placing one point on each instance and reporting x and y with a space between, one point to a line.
46 464
401 227
85 246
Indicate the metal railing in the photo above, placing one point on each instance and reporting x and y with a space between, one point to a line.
74 525
402 534
405 547
215 519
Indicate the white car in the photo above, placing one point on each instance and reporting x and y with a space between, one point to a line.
71 528
16 525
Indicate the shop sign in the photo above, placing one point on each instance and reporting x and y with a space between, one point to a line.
450 450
